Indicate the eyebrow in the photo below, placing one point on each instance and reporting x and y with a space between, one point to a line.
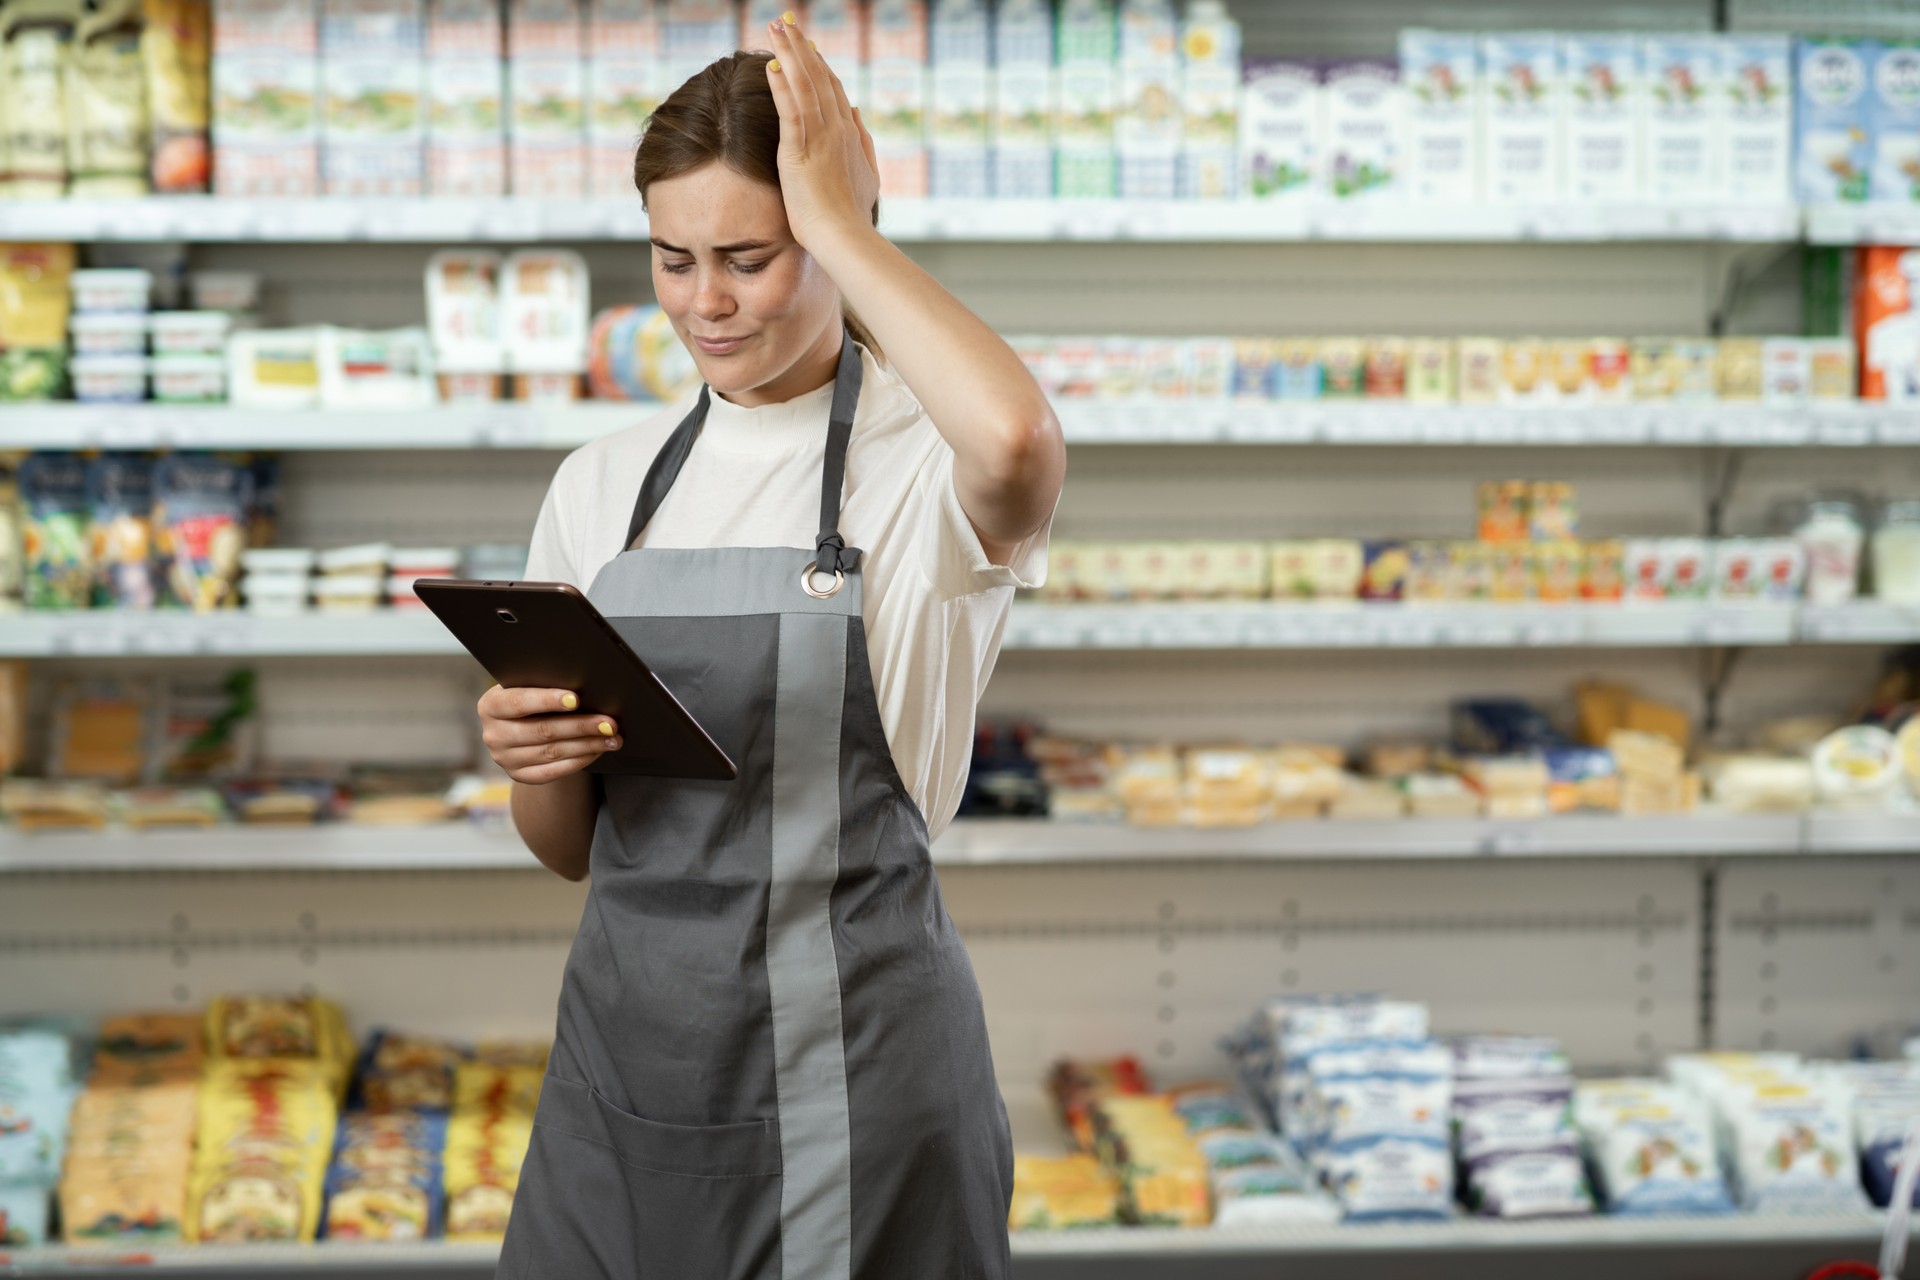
741 246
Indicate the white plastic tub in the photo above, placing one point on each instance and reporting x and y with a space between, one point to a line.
124 289
190 379
277 594
225 290
108 379
367 559
278 561
348 593
189 332
108 334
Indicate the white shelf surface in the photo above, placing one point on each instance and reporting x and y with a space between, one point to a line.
211 219
456 846
518 426
1863 224
1036 625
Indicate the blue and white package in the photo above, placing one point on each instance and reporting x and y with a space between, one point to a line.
1893 123
1651 1149
1832 145
1258 1179
36 1097
1391 1178
24 1210
1498 1116
1790 1149
1881 1126
1606 110
1529 1184
1756 74
1440 73
1487 1057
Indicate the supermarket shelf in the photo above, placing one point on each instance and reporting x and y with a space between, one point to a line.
1758 1248
457 846
1034 625
1863 224
519 426
212 219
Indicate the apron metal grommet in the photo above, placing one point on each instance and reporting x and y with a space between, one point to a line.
806 582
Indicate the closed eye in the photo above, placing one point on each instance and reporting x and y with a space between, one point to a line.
749 268
675 268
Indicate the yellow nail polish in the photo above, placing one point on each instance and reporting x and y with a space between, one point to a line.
789 19
813 46
773 64
606 730
570 702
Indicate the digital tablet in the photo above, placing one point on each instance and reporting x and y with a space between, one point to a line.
546 635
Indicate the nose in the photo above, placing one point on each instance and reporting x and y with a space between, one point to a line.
711 298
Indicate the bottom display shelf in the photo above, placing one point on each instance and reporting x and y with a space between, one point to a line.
1773 1248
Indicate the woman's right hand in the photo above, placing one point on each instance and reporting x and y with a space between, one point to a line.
529 734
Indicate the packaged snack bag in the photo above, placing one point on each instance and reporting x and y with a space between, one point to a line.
120 531
200 508
53 491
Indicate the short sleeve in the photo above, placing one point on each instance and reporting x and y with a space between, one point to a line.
955 563
552 555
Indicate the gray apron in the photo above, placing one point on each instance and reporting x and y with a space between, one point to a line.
770 1061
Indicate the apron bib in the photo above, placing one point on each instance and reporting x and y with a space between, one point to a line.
770 1060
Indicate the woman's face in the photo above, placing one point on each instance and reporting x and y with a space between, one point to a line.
752 306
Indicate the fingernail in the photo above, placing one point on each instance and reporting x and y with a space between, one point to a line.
611 744
773 64
813 46
789 19
570 702
606 729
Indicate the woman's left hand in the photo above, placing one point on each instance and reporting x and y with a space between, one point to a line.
829 178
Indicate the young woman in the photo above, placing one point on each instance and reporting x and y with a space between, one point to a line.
770 1059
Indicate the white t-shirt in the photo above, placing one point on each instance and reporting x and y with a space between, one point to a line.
933 604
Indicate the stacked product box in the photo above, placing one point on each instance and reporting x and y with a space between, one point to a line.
1686 114
266 86
1147 128
466 125
625 82
1834 152
958 133
1089 95
896 105
1525 105
1210 102
1893 121
373 127
1514 1137
546 77
1280 135
1023 99
1362 118
1756 138
693 34
1606 107
1440 72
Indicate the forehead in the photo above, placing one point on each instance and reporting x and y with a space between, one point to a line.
714 205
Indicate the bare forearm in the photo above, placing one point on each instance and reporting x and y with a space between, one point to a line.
556 821
1009 457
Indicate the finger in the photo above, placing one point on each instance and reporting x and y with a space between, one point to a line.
535 775
512 704
832 77
794 66
524 732
553 752
866 141
781 83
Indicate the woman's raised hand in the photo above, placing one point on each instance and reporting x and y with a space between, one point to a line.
828 175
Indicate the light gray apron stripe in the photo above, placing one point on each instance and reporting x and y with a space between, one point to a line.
809 1056
714 582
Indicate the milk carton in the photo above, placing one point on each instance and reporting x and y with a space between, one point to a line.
266 93
838 28
466 116
1023 99
896 108
373 122
1364 116
1686 111
1147 135
958 129
693 34
1526 103
1756 73
1606 101
626 80
1210 102
1089 88
1833 155
1893 121
547 89
1281 128
1440 75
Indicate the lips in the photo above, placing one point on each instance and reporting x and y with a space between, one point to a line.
718 346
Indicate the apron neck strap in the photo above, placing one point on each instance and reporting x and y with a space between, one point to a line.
831 553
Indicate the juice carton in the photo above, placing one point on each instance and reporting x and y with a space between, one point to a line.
466 96
373 122
547 86
266 92
626 80
1606 104
1210 102
1280 128
1887 322
1526 101
1087 41
1441 73
1756 74
896 110
1147 132
1686 115
1023 100
1832 150
958 126
694 33
1430 371
838 28
1479 363
1364 115
1893 121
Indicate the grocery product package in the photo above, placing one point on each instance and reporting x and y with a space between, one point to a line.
960 95
1089 97
1364 109
895 109
265 1132
176 44
1052 1193
546 94
1606 105
200 507
1441 74
385 1179
107 128
1651 1148
266 97
374 105
1832 141
57 550
36 39
1887 323
126 574
466 148
1023 114
1525 107
626 80
36 1094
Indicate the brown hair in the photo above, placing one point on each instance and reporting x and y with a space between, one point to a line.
726 113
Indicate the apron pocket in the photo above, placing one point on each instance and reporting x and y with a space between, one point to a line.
750 1150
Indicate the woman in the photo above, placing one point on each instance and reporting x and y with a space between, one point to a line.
770 1058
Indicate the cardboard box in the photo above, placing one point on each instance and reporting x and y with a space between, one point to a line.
547 90
1757 75
1210 108
466 99
1831 140
1089 87
1893 122
1440 71
958 131
1281 128
1364 119
1022 125
373 122
266 98
1526 103
1606 116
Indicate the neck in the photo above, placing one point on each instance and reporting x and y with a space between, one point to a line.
810 372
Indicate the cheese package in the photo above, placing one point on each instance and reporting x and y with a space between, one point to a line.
264 1134
1053 1193
129 1161
300 1030
543 322
266 96
149 1048
487 1138
1163 1175
385 1180
403 1072
36 1093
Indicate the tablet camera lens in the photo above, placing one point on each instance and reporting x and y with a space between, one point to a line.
506 615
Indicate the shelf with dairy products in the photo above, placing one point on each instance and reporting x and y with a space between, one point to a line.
1037 625
1868 223
509 425
439 219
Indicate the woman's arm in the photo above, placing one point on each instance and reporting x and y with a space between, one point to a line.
555 820
1009 458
